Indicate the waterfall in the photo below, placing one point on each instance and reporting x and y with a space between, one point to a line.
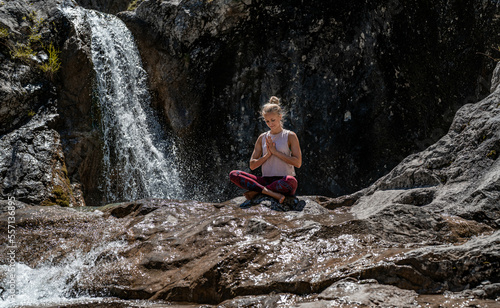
138 157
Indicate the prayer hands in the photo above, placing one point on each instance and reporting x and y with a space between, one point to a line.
271 146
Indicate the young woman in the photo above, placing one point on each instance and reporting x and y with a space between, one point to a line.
277 151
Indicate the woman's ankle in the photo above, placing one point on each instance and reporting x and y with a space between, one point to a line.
274 194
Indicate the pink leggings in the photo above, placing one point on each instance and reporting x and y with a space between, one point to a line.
281 184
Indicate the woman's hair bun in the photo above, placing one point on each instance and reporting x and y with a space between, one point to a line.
274 100
272 106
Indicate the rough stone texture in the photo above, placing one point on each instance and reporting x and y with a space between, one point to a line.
79 116
400 69
367 294
458 175
106 6
220 254
32 163
23 89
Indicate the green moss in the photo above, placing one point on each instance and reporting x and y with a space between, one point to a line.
59 197
4 33
26 48
133 5
31 113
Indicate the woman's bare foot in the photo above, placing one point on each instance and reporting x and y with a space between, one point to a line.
274 194
250 194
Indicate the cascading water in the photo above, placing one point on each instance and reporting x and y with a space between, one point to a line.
139 161
51 285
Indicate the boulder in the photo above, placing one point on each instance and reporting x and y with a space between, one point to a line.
458 175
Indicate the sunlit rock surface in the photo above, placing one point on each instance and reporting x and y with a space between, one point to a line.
219 253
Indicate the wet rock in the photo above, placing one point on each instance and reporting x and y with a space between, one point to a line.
365 294
333 203
11 204
485 290
289 204
32 164
78 120
188 251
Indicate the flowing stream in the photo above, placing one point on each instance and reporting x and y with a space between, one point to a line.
139 159
49 285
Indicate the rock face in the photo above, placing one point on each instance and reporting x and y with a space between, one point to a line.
23 87
458 175
107 6
365 83
32 163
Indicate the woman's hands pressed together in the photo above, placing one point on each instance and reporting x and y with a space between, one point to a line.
271 146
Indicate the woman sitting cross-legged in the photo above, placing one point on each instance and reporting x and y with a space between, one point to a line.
278 152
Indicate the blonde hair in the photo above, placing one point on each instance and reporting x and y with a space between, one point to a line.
274 105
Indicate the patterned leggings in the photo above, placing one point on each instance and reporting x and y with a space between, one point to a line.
281 184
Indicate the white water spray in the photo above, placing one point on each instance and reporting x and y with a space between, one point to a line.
51 284
139 161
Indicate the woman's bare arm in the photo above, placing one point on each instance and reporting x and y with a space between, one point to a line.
257 159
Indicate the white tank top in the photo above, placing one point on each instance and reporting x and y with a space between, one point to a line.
275 166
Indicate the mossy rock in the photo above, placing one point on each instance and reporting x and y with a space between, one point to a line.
58 197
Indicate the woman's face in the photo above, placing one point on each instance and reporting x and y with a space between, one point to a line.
273 120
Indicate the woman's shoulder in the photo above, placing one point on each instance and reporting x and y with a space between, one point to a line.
261 136
292 137
290 133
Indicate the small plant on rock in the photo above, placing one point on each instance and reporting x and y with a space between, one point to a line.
53 64
4 33
27 47
134 4
22 52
